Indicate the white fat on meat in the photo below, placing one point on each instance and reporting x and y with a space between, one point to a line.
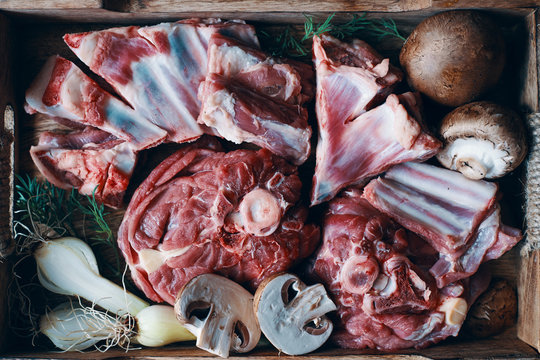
151 260
218 113
444 184
34 94
230 60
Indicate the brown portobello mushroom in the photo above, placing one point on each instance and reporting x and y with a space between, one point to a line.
494 310
482 140
453 57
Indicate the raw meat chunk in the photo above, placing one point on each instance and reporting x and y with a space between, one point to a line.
376 273
157 69
93 161
241 115
250 97
62 90
357 141
457 216
351 153
282 79
205 211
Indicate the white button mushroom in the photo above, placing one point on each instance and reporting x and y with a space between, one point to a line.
292 315
219 312
482 140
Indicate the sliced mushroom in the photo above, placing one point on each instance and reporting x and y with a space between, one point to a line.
219 312
292 315
482 140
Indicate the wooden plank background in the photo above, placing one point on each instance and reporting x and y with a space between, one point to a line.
263 5
37 41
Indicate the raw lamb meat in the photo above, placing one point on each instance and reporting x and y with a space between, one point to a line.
158 69
250 97
62 90
93 161
205 211
457 216
241 115
357 141
281 79
376 273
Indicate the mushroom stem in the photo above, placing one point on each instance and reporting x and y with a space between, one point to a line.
471 168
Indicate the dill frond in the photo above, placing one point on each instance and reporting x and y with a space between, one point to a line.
286 44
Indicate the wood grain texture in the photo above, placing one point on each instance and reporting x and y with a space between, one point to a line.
274 5
528 299
307 6
37 41
503 346
50 4
529 93
7 159
7 128
456 4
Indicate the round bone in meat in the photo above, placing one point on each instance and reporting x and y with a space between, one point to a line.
199 212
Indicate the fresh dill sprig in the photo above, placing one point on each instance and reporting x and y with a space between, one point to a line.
101 233
43 210
287 44
311 30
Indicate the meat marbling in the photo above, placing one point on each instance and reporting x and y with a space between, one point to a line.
203 210
357 140
249 96
376 272
458 216
92 161
158 69
62 90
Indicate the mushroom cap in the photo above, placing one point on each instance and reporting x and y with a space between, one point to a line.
219 312
454 56
494 310
496 127
292 315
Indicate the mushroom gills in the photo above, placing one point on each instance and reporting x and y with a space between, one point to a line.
219 312
475 158
292 315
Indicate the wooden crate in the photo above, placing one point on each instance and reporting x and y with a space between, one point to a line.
31 30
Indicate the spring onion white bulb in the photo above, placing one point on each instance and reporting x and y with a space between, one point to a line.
76 328
157 326
68 266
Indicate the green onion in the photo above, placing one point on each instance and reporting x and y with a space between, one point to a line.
68 266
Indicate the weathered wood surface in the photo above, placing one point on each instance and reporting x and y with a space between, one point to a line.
503 346
263 5
528 297
38 41
7 160
50 4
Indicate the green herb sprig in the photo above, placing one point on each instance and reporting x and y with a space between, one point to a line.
289 44
43 210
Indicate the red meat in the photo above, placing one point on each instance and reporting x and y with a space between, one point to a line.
377 274
357 140
204 211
